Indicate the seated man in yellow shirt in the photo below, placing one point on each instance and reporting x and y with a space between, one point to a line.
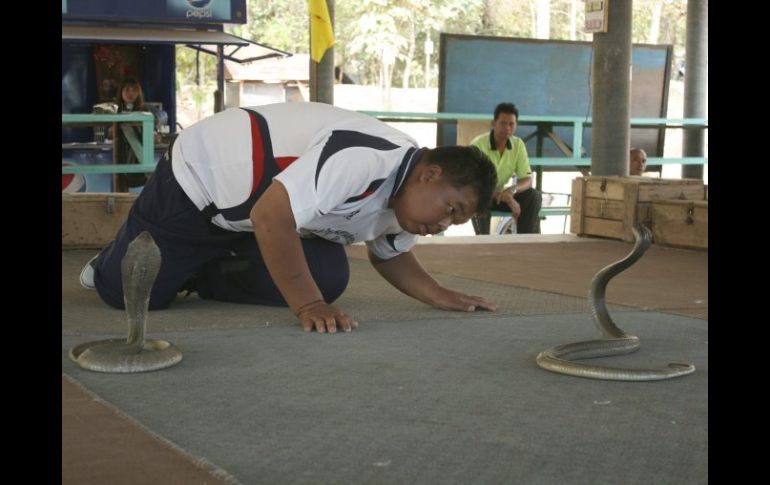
509 155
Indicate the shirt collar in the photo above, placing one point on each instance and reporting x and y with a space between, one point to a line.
412 156
493 145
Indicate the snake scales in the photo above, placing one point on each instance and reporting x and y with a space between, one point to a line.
135 353
615 341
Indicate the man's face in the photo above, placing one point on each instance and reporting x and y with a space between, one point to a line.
638 163
429 205
505 125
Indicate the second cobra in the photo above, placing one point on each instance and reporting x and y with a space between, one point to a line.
615 342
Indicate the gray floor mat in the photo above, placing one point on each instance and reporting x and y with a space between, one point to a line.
369 298
444 400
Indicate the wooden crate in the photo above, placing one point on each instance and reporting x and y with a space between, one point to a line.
467 130
680 223
91 220
610 206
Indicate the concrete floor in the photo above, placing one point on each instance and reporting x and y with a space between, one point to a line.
416 395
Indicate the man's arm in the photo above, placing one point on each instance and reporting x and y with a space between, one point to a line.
506 195
407 274
521 166
523 184
275 230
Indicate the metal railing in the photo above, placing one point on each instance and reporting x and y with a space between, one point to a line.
144 149
573 155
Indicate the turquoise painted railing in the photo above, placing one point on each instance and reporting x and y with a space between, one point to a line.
144 149
577 122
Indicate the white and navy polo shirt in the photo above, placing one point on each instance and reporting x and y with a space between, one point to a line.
339 168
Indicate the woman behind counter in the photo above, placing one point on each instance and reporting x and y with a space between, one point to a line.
130 99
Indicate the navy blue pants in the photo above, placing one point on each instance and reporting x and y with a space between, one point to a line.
224 265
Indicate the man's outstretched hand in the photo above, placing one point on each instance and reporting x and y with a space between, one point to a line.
325 318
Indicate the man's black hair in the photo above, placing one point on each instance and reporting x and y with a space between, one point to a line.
467 166
506 108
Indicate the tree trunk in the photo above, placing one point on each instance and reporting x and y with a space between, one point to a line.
486 18
533 18
543 19
409 56
657 7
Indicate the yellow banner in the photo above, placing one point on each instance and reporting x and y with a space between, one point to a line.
321 32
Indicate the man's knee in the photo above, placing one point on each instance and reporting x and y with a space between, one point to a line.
328 265
333 285
531 194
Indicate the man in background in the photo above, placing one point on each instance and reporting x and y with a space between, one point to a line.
509 155
637 161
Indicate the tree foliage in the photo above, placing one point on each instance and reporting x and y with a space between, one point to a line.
282 24
366 29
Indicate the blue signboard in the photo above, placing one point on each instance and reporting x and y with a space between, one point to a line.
547 78
170 11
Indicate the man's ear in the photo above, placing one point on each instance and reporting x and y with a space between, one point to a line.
430 173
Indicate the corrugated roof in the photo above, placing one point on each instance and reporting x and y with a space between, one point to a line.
235 49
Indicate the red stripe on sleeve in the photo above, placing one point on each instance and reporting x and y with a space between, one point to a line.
284 162
257 154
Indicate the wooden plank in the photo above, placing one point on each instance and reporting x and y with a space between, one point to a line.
565 149
604 227
680 223
671 191
638 179
467 130
614 188
578 206
643 212
604 188
91 220
604 209
630 198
